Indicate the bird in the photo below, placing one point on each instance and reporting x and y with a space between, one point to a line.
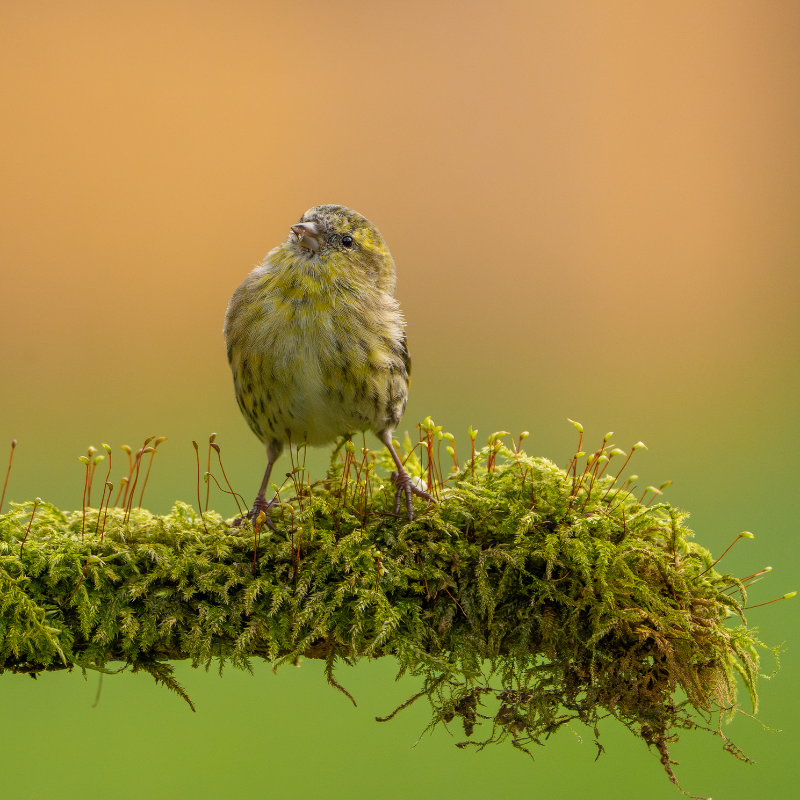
317 346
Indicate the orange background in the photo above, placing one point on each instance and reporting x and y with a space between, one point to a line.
593 207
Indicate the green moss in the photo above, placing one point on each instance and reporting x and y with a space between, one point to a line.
527 598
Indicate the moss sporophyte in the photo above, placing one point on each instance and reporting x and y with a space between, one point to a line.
527 597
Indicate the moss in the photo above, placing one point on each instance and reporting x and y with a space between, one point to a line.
529 597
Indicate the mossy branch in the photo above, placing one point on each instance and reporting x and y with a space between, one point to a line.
526 598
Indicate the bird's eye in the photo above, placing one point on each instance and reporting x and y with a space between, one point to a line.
347 241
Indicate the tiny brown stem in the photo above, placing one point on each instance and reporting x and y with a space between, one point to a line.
236 496
454 600
431 467
100 507
297 561
150 466
122 483
126 483
749 577
621 502
348 460
424 579
769 602
295 468
224 475
472 460
105 514
199 503
30 522
80 581
722 556
8 472
131 488
91 482
208 464
257 524
576 486
592 480
616 478
83 504
744 586
574 458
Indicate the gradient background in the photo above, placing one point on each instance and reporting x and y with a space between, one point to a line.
593 207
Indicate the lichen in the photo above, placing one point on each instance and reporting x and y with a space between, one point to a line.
528 597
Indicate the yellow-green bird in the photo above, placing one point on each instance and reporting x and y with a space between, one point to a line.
316 342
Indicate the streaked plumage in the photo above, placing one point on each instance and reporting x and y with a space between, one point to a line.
316 340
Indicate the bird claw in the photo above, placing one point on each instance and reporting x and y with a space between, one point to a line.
405 486
252 515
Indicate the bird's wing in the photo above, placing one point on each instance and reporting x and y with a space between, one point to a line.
405 356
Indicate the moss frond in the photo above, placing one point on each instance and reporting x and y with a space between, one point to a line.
526 598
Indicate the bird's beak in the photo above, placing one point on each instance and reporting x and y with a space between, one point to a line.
307 233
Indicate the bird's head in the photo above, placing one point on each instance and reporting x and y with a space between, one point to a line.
344 242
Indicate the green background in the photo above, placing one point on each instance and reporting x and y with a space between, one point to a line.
593 208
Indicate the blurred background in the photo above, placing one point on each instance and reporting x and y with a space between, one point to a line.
593 207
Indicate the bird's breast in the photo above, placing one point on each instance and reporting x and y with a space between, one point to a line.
319 363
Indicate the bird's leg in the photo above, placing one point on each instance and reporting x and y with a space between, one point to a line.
260 503
402 480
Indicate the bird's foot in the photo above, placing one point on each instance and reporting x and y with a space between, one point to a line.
260 504
405 486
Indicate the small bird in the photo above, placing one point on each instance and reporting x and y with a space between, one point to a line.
317 345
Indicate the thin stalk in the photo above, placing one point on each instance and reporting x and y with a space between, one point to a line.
236 496
105 514
130 494
208 464
30 522
83 504
224 475
769 602
743 535
8 472
122 483
616 478
150 466
199 504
